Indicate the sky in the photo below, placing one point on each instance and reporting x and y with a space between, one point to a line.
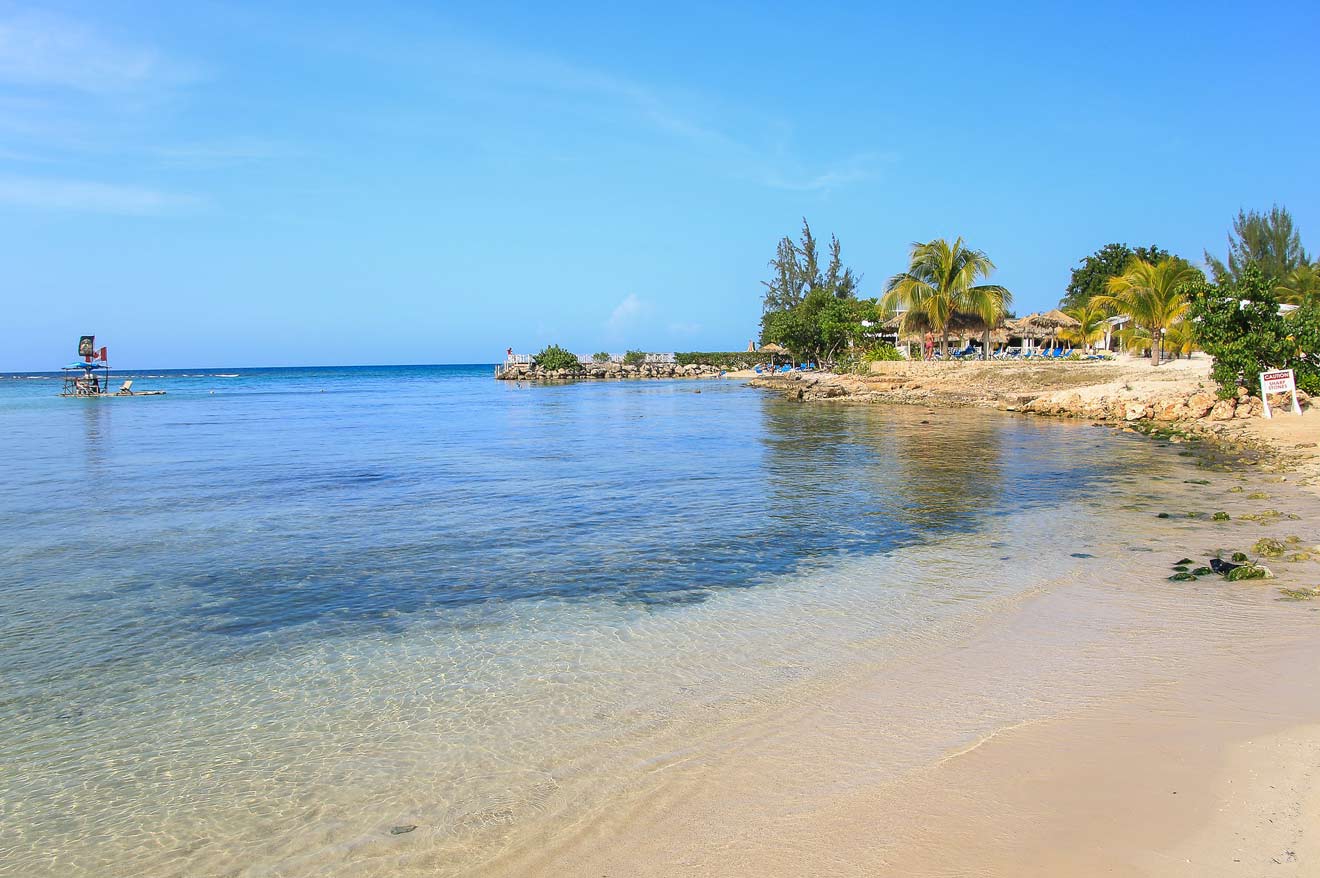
208 184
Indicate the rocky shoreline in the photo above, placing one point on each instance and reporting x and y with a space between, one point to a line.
1177 402
598 371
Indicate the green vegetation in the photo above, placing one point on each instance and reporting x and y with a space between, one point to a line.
1091 276
821 327
1153 294
634 358
940 282
1092 319
797 274
1238 323
731 360
600 357
554 357
1269 241
814 313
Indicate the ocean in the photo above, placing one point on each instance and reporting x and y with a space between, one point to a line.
402 620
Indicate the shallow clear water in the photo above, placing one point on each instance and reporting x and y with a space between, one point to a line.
249 626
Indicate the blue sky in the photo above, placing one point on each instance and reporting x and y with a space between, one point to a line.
266 184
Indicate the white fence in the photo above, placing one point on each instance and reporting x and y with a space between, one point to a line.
618 358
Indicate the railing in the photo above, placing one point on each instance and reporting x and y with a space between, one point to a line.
619 358
511 360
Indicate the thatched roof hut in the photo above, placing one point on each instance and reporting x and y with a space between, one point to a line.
912 325
1051 321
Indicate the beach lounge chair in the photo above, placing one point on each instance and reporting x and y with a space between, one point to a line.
125 390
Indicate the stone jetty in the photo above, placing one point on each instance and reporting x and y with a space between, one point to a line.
532 372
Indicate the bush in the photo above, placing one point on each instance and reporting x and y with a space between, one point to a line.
634 358
730 360
554 357
601 357
882 353
1238 323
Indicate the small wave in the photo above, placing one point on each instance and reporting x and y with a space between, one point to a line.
223 375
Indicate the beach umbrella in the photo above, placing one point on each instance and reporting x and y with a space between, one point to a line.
1048 324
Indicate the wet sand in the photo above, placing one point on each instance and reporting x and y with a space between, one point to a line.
1197 752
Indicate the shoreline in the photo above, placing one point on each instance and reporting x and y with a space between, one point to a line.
1204 764
1176 402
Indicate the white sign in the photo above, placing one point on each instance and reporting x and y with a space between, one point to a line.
1279 381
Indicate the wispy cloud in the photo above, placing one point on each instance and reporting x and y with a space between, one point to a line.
84 196
485 71
628 313
38 49
855 169
227 151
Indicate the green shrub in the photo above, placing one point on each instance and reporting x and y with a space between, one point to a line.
882 353
1238 323
731 360
634 358
554 357
601 357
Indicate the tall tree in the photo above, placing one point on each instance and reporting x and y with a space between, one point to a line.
839 280
1093 272
1270 240
796 273
941 280
1154 295
785 289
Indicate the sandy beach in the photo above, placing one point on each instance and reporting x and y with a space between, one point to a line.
1199 753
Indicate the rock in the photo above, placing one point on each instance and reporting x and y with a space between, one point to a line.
1199 405
1223 410
400 830
1250 571
1241 392
1270 548
1134 411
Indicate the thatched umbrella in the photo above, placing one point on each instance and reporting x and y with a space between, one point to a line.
912 325
773 350
1048 324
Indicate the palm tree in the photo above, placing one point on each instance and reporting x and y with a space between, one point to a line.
1093 320
1299 285
941 280
1152 295
1180 339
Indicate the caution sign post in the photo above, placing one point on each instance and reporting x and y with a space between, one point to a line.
1279 381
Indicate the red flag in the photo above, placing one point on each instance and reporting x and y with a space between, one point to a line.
102 357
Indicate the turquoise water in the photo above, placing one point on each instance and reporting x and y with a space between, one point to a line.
256 622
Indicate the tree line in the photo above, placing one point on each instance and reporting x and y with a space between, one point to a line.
817 313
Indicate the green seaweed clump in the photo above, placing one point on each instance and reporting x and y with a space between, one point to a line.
1202 571
1300 556
1196 481
1220 516
1299 594
1236 489
1247 571
1258 495
1183 577
1238 557
1270 548
1183 562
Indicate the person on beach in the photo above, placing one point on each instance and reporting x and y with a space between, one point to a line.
929 342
